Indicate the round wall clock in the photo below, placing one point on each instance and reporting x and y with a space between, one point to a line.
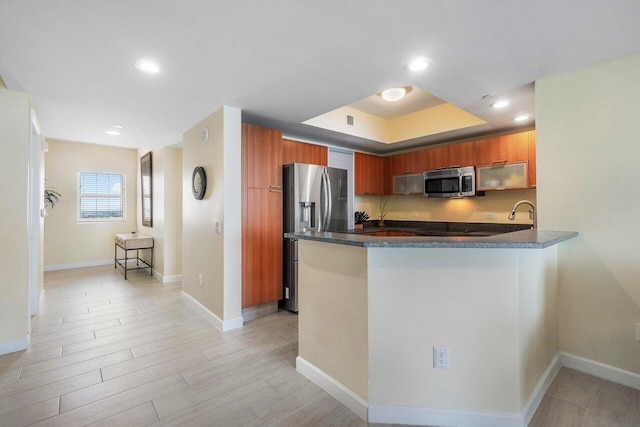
199 183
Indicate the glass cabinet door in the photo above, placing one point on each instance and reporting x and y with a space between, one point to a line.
502 177
408 184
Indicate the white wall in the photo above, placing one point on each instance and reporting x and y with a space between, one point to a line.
216 256
14 189
71 243
588 152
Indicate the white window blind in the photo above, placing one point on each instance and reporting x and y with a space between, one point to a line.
101 196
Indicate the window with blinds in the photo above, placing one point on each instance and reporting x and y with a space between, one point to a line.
101 196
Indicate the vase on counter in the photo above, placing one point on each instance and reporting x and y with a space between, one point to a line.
381 223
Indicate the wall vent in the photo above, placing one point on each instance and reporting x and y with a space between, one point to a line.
350 120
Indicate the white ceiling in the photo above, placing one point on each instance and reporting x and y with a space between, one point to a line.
285 61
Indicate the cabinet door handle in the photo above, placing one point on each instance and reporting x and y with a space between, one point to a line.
500 188
405 172
454 166
273 190
440 168
275 186
499 162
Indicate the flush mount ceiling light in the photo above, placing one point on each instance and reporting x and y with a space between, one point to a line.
419 64
113 133
521 118
147 66
393 94
500 104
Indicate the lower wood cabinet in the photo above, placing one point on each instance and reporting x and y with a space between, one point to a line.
262 247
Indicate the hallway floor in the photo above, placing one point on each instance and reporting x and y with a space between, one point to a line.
110 352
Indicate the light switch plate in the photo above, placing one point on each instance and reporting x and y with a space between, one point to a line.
218 227
638 332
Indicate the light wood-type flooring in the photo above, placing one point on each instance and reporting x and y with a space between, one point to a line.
110 352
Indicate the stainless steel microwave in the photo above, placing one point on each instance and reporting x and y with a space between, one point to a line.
450 183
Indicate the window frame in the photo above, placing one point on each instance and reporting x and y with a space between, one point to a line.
122 196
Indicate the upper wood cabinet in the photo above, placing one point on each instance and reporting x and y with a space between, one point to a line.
369 174
262 151
503 149
299 152
406 163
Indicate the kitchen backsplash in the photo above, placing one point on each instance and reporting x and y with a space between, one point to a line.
473 209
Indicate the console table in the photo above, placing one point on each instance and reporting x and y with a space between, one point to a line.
133 242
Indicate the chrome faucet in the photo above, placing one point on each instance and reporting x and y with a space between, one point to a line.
532 212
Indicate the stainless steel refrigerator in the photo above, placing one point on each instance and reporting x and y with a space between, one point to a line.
314 199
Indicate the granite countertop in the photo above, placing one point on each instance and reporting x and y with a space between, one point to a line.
522 239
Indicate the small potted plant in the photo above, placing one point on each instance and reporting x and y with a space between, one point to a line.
382 210
360 219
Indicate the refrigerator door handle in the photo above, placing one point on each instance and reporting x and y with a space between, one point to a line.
329 202
322 203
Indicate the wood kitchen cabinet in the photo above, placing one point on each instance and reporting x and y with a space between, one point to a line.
261 215
516 148
406 163
263 149
503 149
369 174
262 248
299 152
450 156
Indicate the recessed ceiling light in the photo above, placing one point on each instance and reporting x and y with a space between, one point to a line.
500 104
394 94
521 118
147 66
113 132
419 64
119 127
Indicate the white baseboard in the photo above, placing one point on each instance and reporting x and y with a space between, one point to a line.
333 387
78 265
601 370
441 417
13 346
541 388
224 326
167 279
445 417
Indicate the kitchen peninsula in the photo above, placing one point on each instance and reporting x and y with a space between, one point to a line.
373 308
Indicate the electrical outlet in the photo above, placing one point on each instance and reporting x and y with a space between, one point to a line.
414 214
441 357
199 279
218 227
490 215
